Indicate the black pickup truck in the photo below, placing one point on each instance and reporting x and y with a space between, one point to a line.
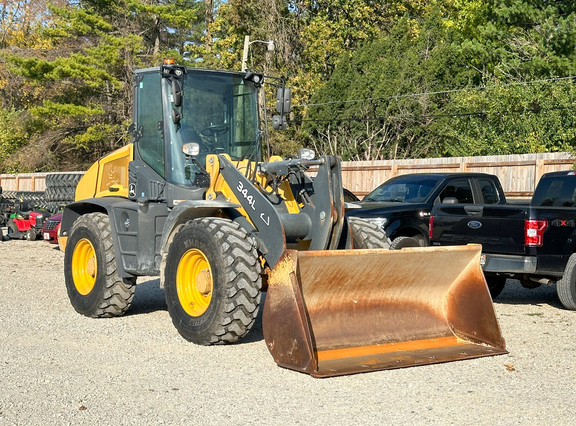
535 243
401 205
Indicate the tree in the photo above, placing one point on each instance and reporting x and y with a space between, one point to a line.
82 85
475 78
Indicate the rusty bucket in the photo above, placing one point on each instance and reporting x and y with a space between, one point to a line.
338 312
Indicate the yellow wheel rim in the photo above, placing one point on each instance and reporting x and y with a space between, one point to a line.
84 266
194 282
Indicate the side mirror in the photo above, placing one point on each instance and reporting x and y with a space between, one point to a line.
176 116
283 100
279 122
450 200
177 93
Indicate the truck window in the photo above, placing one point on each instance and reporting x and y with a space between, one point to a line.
459 189
489 191
557 192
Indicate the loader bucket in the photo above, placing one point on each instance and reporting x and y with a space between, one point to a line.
338 312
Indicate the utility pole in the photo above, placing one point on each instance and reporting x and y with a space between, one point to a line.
245 52
247 43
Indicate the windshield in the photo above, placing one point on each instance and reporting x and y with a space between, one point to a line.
404 189
219 112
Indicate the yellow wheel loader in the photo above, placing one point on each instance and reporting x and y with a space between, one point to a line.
191 201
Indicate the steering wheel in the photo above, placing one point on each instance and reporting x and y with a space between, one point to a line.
214 130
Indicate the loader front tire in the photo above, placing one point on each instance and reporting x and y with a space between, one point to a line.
566 286
212 281
367 235
90 271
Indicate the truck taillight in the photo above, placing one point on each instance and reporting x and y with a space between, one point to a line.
534 232
430 223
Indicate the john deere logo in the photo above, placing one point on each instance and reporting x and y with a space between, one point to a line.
474 224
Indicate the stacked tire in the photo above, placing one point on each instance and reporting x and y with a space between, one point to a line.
60 189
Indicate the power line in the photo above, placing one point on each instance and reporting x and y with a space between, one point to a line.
479 114
439 92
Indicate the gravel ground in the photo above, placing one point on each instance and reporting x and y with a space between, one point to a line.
58 367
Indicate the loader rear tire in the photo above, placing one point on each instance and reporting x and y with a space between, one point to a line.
367 235
211 276
90 271
566 286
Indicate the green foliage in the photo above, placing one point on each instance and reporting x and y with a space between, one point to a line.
370 79
376 109
13 133
510 119
415 91
80 90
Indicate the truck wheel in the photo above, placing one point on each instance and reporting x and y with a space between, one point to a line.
403 241
212 281
367 235
496 284
92 281
566 286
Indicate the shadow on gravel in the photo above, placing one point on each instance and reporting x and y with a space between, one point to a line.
256 334
148 297
515 294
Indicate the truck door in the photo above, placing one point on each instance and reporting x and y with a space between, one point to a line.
485 220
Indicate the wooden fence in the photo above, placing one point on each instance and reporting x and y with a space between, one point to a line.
29 182
518 173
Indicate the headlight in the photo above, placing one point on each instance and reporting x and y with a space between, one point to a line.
306 154
380 221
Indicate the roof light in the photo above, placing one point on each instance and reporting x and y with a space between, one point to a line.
169 61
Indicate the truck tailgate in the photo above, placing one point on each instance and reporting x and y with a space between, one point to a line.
499 228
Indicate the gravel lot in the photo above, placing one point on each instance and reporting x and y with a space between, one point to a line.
58 367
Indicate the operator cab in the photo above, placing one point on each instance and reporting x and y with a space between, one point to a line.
183 114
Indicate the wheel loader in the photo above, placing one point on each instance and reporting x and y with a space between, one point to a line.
192 201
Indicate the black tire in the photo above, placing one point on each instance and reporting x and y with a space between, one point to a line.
225 309
401 242
60 194
63 180
1 235
496 284
367 235
95 290
566 286
13 232
9 195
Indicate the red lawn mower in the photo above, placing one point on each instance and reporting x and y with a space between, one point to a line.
26 222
